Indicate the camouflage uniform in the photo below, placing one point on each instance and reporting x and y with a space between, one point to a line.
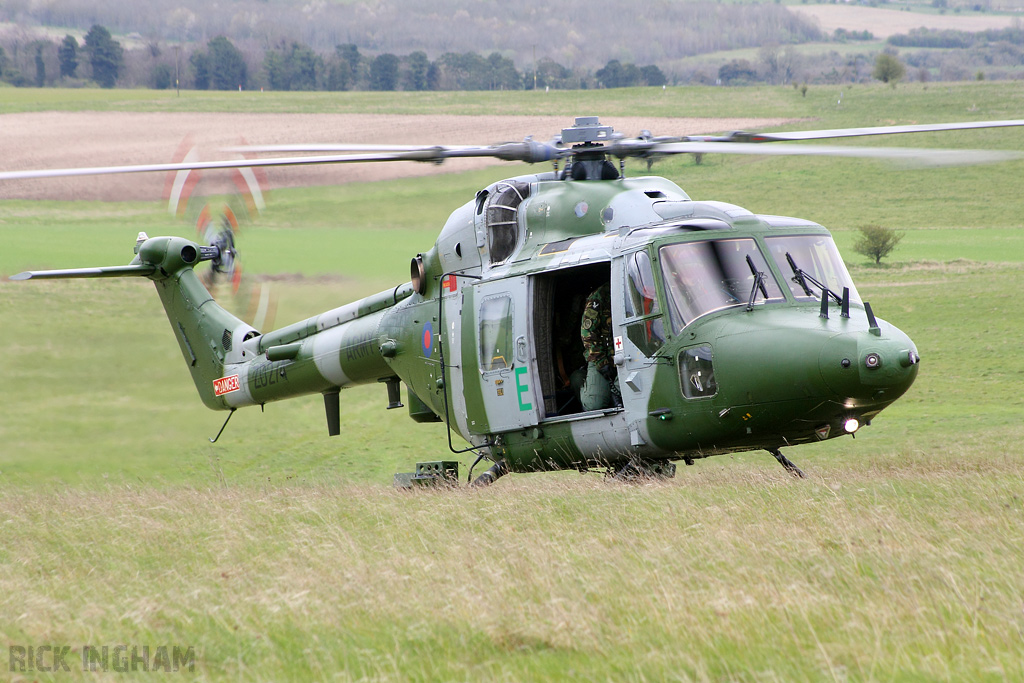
596 328
600 389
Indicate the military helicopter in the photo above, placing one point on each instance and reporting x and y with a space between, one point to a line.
719 330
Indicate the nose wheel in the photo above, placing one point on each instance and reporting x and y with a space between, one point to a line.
787 463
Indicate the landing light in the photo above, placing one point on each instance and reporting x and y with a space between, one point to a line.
851 425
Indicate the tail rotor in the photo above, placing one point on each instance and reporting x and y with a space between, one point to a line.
219 205
250 297
220 233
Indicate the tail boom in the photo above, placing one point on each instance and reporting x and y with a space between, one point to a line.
231 363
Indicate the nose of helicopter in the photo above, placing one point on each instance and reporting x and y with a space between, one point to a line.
869 366
791 359
788 375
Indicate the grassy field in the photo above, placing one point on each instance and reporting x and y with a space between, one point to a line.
860 105
282 554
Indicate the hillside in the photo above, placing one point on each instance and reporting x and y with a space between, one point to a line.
461 45
575 33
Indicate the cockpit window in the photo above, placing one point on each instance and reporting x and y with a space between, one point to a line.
701 277
641 300
816 256
502 219
697 372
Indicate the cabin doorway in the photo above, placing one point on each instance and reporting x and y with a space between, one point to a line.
558 303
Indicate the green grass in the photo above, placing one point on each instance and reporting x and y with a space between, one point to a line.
862 104
845 194
870 570
280 553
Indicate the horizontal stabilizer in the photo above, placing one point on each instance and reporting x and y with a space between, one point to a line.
109 271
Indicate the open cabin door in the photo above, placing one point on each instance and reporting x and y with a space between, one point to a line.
559 298
498 357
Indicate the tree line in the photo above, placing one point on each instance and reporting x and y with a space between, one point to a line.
950 38
221 65
580 34
103 54
27 60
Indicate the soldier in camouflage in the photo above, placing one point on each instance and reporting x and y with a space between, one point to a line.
600 390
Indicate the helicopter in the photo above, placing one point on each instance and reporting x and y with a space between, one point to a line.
570 319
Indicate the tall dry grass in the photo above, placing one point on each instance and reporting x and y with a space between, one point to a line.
894 568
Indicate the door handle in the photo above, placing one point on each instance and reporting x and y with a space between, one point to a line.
521 348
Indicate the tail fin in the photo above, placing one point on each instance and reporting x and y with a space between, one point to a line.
208 335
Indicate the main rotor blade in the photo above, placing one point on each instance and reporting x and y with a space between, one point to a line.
206 165
742 136
528 151
532 151
337 148
927 157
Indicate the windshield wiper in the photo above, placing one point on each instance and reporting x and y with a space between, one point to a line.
802 277
758 284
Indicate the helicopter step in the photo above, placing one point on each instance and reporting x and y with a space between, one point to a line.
787 463
436 473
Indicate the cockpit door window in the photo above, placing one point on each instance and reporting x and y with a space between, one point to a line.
644 325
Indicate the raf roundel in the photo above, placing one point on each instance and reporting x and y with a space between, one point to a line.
428 338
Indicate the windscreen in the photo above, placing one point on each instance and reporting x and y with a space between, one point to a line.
809 261
701 277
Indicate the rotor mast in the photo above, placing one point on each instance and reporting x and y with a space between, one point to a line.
589 160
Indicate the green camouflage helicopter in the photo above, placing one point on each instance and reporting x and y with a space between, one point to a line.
574 318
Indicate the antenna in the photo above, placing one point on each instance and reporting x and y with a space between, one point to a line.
873 327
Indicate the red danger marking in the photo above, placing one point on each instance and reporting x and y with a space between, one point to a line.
225 385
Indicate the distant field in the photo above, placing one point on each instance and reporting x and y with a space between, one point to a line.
282 554
939 101
887 22
55 128
36 140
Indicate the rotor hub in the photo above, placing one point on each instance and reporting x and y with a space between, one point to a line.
587 131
